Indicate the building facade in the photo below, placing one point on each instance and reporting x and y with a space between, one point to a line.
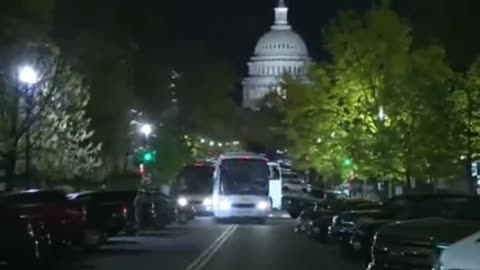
278 52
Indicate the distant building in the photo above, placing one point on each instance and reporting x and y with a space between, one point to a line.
279 51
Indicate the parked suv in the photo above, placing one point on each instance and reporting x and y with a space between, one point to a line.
106 214
51 209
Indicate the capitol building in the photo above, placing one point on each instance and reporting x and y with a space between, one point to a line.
278 52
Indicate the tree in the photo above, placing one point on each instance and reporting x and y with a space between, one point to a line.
62 137
466 100
56 122
172 153
105 67
381 103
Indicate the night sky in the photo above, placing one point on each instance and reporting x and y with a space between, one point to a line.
224 28
229 29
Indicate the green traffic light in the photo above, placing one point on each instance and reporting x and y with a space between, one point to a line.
148 156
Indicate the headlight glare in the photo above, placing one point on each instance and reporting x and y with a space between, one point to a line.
207 202
182 201
263 205
225 205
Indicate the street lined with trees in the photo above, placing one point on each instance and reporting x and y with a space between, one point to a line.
383 107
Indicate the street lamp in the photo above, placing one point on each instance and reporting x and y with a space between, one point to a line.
146 129
28 76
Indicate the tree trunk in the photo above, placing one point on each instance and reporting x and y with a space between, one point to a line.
11 156
11 161
408 179
471 180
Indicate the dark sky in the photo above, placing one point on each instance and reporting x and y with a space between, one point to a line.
229 29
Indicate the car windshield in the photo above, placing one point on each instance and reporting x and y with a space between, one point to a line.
244 176
195 179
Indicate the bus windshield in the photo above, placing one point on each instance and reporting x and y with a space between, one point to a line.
195 179
244 176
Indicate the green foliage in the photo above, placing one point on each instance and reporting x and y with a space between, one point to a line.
381 103
61 132
105 67
172 152
59 128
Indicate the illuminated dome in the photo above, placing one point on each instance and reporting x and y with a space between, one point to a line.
278 43
278 52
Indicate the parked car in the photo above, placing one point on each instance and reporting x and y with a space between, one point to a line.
159 209
424 206
324 208
463 254
343 224
106 214
64 224
317 227
22 242
165 210
295 185
295 204
412 244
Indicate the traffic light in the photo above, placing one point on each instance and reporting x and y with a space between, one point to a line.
148 156
347 163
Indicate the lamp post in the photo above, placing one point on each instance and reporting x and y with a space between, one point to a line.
148 155
146 130
28 76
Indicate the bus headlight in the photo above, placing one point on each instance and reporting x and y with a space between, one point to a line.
263 205
182 201
225 205
207 202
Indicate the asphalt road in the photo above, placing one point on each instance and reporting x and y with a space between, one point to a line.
204 245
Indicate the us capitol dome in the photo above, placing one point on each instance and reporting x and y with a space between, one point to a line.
278 52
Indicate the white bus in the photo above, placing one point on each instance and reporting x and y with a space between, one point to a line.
240 188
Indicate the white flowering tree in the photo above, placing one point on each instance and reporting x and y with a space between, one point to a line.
61 140
61 136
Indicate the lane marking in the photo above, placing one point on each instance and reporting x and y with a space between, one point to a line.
209 249
201 260
210 255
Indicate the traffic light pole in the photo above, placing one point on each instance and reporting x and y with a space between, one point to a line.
148 159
